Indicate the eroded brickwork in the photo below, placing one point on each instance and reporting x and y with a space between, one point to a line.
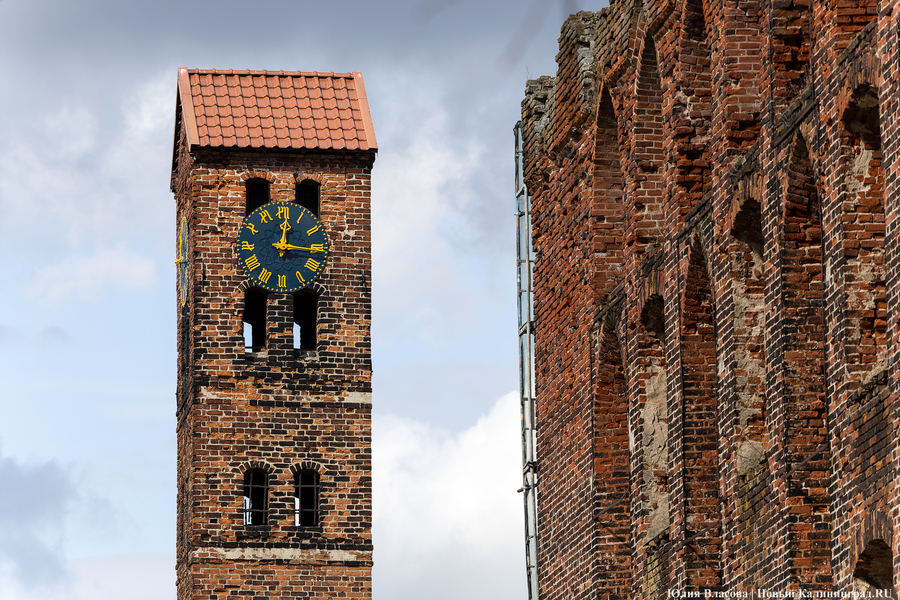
278 410
714 205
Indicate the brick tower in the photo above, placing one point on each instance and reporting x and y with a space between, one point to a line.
274 388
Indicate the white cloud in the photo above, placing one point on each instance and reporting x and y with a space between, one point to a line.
34 503
89 278
150 110
448 520
73 130
430 279
95 172
149 576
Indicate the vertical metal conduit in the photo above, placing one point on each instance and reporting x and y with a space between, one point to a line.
524 264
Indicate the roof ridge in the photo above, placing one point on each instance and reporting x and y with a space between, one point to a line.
342 75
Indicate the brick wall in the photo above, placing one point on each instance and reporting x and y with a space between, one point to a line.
714 192
278 410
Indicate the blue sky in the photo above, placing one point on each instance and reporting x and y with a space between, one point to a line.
87 320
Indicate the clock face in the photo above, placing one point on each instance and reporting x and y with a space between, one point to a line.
282 247
181 261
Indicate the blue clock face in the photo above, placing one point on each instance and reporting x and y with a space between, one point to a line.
282 247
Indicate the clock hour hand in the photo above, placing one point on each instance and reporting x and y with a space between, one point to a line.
282 245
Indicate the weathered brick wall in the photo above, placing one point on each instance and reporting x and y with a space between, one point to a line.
714 195
281 409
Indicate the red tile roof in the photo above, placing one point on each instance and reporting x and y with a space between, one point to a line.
275 109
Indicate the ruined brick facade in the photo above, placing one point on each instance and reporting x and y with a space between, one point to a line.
714 204
276 410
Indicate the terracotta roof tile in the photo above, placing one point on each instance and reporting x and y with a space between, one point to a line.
275 109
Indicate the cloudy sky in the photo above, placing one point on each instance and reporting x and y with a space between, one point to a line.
87 317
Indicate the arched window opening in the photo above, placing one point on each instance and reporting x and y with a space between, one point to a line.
257 193
307 194
874 569
306 307
700 442
254 320
256 496
306 498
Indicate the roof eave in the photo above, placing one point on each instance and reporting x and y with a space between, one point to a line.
187 108
371 142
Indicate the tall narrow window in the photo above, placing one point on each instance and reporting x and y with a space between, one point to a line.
306 498
306 194
257 193
305 309
256 491
254 321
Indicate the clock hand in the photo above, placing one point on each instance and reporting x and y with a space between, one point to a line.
282 245
314 248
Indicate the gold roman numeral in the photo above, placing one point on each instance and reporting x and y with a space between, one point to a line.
312 265
300 277
246 246
264 216
252 228
317 248
284 212
300 217
252 262
282 281
264 275
312 230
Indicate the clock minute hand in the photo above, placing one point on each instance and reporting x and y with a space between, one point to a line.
314 248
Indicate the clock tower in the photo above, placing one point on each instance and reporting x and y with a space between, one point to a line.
271 176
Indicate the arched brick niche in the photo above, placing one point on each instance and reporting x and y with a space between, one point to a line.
692 110
862 202
646 210
805 407
874 569
744 248
608 189
789 30
703 521
612 467
653 429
